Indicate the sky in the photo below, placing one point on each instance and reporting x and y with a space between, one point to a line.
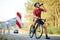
9 8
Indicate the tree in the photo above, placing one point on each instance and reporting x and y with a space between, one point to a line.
53 11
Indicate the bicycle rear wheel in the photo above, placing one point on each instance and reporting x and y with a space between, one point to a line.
39 31
31 33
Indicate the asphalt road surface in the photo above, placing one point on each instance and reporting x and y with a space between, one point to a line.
21 36
26 37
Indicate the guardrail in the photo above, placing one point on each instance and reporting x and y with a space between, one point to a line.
11 22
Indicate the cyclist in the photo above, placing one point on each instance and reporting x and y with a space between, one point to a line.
37 15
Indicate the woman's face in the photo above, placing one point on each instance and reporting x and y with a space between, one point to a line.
38 5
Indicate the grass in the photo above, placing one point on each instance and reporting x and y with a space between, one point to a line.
53 30
1 38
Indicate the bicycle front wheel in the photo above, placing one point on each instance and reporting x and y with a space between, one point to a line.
31 33
39 31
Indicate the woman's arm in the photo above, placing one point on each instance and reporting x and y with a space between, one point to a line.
36 16
44 9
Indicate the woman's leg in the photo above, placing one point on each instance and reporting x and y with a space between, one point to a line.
34 23
45 30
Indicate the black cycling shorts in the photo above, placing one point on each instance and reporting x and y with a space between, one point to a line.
38 21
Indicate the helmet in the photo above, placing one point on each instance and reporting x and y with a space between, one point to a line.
38 4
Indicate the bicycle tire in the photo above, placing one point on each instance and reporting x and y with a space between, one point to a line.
31 33
37 37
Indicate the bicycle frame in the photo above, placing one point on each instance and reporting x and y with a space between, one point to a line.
44 20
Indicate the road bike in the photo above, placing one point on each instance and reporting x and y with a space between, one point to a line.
38 30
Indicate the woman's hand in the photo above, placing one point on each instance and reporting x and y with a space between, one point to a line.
38 17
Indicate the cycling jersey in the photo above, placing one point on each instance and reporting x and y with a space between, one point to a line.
37 12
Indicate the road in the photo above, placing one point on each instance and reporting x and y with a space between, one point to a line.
22 36
26 37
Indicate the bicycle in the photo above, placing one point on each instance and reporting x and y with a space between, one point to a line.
38 30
